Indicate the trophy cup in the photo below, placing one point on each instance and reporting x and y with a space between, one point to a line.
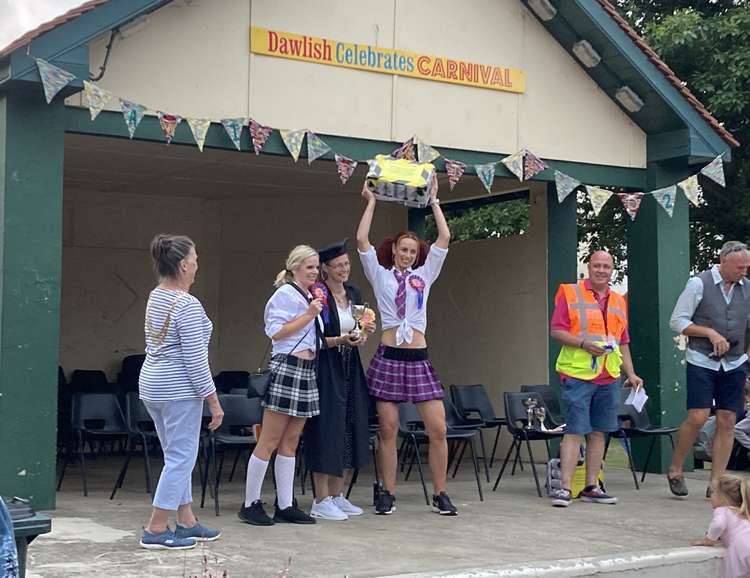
530 404
541 414
358 312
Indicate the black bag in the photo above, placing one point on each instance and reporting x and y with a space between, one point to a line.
258 382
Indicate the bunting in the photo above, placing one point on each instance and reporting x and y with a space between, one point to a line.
259 135
405 151
514 163
455 170
233 128
316 147
425 153
565 185
54 79
486 174
345 167
666 197
199 128
532 165
715 171
692 190
133 114
97 98
631 202
293 141
168 123
599 198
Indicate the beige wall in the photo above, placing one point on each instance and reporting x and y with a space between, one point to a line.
193 59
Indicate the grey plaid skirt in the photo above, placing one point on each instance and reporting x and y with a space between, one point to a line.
293 389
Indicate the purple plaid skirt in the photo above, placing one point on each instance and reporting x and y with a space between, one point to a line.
401 379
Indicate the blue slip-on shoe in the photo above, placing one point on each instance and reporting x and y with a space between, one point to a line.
166 541
199 532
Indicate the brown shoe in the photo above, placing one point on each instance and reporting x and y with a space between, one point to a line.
677 485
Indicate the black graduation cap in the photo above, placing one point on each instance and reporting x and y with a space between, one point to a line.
332 250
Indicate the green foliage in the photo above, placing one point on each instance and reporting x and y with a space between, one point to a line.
487 222
607 231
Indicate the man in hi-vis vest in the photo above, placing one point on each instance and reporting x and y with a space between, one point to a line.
713 312
591 322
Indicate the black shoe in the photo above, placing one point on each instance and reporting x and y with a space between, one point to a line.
254 514
291 515
442 505
386 503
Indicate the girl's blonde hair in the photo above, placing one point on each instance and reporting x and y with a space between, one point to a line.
736 492
296 257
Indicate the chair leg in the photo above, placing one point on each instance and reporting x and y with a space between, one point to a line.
68 450
517 459
147 464
648 458
355 476
81 451
484 456
505 463
414 455
401 452
460 458
472 447
533 468
494 445
630 460
234 464
204 475
121 476
419 465
217 476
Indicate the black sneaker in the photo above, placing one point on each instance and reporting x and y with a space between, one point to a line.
291 515
386 503
254 514
442 505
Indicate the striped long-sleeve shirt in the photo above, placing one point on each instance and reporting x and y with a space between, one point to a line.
177 335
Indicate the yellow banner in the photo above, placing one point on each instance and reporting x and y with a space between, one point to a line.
385 60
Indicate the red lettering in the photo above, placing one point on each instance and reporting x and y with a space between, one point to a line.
296 45
326 50
437 69
423 63
485 71
273 41
466 71
507 77
497 78
451 71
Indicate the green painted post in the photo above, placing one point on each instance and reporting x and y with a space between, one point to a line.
31 187
658 267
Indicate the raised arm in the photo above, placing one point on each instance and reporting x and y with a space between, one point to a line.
363 231
444 233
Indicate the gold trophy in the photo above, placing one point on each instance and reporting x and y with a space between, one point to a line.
530 404
358 312
541 415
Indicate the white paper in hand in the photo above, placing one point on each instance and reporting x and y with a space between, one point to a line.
637 398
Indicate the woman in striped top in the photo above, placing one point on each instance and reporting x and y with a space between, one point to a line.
174 381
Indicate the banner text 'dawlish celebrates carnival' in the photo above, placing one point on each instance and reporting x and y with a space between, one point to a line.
385 60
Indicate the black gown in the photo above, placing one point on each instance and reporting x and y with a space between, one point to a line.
325 446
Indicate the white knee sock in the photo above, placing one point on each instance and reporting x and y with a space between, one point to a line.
284 470
256 471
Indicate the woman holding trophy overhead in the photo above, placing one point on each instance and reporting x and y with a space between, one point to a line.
401 273
336 441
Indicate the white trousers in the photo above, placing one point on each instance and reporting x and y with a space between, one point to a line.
178 424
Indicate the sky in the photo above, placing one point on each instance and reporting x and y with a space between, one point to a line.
19 16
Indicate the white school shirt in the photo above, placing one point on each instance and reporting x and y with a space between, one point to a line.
385 286
285 305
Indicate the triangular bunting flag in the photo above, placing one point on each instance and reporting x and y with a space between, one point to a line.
345 166
532 165
455 170
133 114
405 151
599 198
97 98
692 190
259 135
233 128
514 163
715 171
666 198
54 79
168 123
425 153
199 126
316 147
631 202
565 185
293 141
486 174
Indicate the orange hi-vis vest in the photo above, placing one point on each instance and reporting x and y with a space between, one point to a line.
588 322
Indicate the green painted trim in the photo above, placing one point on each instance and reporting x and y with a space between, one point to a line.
655 78
111 124
562 259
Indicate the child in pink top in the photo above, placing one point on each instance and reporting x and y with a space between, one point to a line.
730 524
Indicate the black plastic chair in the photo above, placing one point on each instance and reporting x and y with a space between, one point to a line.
64 413
515 412
130 371
142 432
235 432
551 400
473 399
96 416
89 381
634 424
226 380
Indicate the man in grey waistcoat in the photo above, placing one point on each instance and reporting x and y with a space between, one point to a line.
713 312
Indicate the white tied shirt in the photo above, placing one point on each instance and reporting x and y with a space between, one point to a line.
285 305
385 286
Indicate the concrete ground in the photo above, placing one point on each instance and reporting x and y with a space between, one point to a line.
94 536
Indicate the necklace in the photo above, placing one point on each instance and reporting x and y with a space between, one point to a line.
159 336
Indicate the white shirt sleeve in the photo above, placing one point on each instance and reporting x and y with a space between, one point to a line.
687 303
434 263
277 312
371 266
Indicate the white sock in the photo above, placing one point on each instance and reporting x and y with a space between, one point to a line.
256 471
284 470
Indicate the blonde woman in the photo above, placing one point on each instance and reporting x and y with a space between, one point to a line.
291 323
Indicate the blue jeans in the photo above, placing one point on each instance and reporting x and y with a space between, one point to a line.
8 555
590 407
